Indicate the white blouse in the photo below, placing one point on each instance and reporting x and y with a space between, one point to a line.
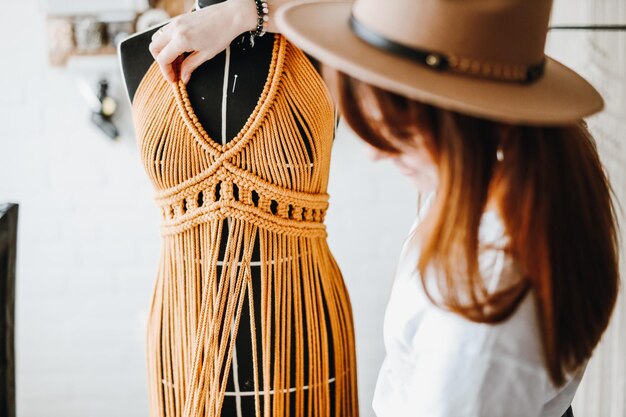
440 364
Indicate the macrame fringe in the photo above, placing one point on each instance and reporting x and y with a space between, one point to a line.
268 187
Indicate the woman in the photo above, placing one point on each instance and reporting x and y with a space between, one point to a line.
508 280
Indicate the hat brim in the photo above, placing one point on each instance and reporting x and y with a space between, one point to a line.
322 29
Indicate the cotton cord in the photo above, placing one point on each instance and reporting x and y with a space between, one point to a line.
270 183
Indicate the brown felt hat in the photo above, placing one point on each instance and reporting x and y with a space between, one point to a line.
480 57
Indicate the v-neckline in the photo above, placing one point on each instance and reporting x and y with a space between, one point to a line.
265 100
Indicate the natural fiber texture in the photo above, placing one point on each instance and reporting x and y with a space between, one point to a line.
269 183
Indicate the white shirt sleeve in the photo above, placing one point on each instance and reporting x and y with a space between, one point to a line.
456 384
440 364
468 369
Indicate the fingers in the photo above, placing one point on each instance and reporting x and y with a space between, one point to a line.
164 47
167 56
203 34
160 31
160 38
190 64
168 43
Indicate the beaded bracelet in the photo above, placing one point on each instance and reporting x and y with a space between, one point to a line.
263 12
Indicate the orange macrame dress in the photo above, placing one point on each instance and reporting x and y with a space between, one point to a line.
266 192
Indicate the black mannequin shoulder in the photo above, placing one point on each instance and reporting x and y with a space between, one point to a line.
135 59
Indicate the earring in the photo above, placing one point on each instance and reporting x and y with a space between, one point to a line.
499 153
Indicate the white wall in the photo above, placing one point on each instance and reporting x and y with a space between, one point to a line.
372 208
601 58
88 233
87 249
88 236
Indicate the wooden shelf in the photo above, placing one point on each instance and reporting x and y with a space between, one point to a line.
61 59
62 44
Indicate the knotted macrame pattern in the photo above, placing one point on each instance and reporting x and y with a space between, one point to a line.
267 187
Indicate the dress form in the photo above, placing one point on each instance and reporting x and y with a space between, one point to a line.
224 90
223 93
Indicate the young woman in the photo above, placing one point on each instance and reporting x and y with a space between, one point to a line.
509 276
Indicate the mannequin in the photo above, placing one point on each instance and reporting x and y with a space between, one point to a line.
249 64
242 72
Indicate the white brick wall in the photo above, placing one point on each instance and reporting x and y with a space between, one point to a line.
89 243
601 58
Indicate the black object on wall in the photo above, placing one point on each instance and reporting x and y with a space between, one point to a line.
601 28
8 241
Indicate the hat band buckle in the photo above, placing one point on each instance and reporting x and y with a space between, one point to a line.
437 61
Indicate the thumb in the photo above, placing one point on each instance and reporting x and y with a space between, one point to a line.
189 65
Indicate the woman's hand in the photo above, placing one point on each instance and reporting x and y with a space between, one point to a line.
204 33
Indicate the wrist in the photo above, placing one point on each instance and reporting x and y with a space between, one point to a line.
244 14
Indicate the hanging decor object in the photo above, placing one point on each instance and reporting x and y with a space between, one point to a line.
89 34
150 18
60 40
85 35
102 106
118 31
108 105
77 28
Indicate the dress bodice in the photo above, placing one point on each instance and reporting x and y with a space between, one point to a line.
274 173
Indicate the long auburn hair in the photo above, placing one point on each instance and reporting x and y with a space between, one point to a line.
551 192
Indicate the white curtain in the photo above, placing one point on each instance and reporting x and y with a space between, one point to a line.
601 58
